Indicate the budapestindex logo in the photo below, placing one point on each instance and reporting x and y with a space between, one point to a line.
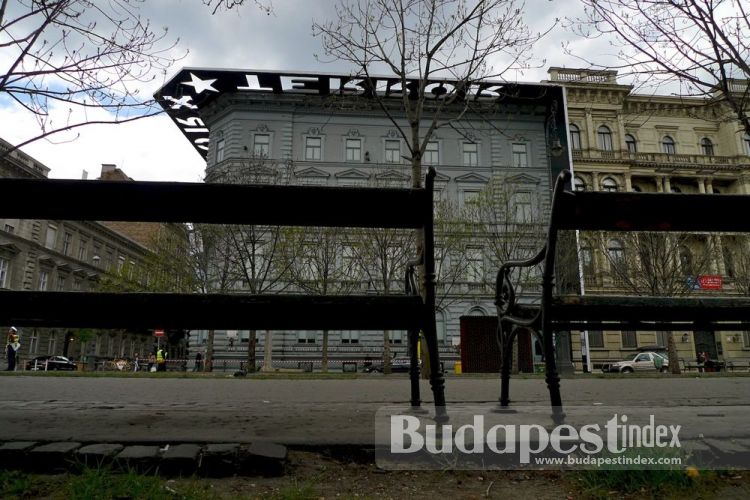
410 435
487 436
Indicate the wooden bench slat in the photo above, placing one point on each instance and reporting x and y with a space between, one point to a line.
209 311
213 203
599 211
634 311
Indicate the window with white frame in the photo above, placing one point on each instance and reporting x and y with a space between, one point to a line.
120 264
313 148
261 145
83 248
350 337
67 243
34 342
575 136
609 185
441 327
353 149
4 272
220 150
475 265
51 239
520 154
604 138
52 343
431 154
396 337
523 213
392 151
43 280
307 336
470 154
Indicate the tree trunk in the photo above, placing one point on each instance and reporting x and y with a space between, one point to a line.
209 366
251 341
387 351
674 362
324 360
268 352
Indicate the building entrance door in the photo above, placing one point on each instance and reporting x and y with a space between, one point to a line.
706 342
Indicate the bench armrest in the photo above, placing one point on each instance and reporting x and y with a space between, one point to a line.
505 295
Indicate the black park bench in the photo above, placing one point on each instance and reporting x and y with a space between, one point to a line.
616 212
213 203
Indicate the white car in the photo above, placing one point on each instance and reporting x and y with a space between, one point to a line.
641 362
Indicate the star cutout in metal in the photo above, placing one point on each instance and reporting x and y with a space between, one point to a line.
200 85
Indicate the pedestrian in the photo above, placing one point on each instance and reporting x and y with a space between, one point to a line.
151 361
11 348
198 362
161 360
136 366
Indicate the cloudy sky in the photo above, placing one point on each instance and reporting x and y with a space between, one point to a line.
154 149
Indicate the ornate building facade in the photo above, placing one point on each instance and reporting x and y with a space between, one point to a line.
625 141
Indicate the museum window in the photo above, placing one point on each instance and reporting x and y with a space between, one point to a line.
596 339
629 339
51 238
354 150
431 154
520 155
668 145
609 185
604 137
707 147
746 339
67 240
61 282
474 269
575 137
4 272
219 150
313 148
43 280
470 154
261 145
579 184
631 144
392 151
350 337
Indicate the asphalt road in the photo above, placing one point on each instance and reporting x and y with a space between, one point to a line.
318 412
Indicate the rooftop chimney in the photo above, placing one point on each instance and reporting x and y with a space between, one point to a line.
108 167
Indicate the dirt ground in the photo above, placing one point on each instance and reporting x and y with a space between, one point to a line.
316 476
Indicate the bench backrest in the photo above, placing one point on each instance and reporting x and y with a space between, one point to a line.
310 206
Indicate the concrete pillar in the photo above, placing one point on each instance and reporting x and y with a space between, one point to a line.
709 186
628 183
595 181
702 185
590 132
667 184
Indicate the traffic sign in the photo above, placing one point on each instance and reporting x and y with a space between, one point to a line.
158 333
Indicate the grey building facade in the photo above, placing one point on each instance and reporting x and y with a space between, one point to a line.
248 119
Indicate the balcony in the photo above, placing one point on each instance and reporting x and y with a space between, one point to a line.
657 158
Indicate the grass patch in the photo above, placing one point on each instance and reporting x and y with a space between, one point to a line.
94 484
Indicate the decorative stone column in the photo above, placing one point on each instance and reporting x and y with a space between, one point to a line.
702 185
595 181
628 183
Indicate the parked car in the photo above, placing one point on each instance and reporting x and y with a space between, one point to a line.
52 363
398 365
641 362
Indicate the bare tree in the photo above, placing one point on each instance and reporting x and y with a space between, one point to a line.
425 43
654 264
704 45
81 54
217 5
321 262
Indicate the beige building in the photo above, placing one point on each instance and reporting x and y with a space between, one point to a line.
625 141
65 256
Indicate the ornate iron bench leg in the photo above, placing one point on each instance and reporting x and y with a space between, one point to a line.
552 378
437 382
414 368
506 334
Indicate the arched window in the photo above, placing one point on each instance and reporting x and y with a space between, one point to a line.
616 254
604 136
609 185
441 326
575 136
631 144
675 189
667 145
686 261
707 147
579 184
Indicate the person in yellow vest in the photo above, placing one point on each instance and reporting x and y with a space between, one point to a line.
161 360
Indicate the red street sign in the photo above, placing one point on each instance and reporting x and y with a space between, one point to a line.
158 333
710 282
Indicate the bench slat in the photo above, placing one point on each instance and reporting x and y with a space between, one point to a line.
209 311
213 203
597 211
670 313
